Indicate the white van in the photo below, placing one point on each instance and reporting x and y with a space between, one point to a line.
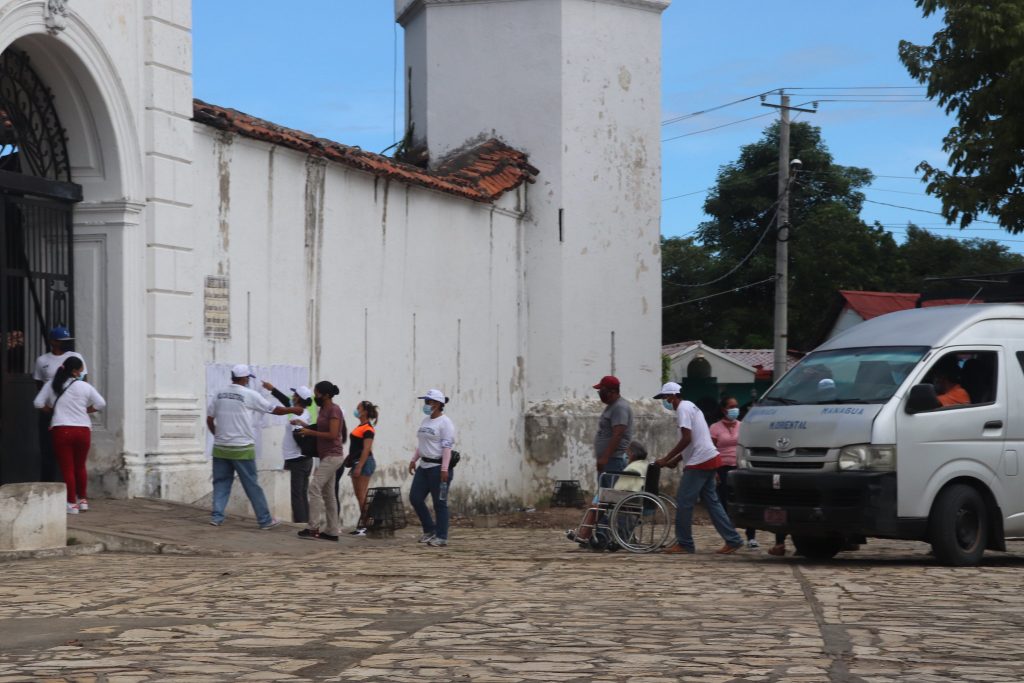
855 442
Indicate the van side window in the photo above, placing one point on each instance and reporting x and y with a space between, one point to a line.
966 377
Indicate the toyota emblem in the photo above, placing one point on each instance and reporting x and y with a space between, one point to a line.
782 443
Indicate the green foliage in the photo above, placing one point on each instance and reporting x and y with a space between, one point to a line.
974 68
831 248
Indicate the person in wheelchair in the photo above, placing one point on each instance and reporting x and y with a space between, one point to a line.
631 479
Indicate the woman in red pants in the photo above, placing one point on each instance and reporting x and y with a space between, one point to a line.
69 400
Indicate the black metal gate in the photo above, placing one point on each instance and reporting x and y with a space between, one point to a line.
36 292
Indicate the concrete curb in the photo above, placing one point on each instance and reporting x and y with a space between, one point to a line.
88 548
140 545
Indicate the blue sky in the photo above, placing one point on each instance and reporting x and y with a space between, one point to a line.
328 67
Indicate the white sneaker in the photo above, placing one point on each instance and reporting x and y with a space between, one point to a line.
83 505
72 509
425 538
436 542
361 531
753 544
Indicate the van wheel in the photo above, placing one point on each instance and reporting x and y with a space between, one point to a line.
817 548
958 529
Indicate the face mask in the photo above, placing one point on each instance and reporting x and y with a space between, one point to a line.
732 413
355 413
666 404
318 401
427 409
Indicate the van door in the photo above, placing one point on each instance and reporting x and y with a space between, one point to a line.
964 438
1013 452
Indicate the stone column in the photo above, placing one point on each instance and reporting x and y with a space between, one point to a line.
175 466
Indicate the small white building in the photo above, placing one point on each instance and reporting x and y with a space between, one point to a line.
512 270
729 366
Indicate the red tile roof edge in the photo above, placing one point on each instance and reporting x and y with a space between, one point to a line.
482 173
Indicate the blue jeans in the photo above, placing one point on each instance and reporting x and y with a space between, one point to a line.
701 484
427 481
224 476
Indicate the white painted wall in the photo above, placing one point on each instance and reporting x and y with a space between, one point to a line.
576 84
847 319
414 289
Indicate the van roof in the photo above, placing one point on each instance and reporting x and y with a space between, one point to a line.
932 327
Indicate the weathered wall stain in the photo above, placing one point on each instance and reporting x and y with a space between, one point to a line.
313 233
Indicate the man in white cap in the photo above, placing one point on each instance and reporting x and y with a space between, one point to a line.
700 464
229 419
298 451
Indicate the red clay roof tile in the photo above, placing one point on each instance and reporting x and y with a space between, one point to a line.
482 173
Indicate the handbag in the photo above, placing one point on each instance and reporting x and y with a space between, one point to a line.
306 444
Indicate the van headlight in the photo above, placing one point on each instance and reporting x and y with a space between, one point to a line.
741 458
867 457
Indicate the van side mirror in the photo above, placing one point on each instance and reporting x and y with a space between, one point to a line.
922 399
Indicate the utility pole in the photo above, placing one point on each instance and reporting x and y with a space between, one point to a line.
781 332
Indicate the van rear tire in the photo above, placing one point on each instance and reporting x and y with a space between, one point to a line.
818 548
958 528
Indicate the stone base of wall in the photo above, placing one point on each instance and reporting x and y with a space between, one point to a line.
560 442
33 516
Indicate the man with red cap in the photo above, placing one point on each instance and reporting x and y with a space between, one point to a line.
614 429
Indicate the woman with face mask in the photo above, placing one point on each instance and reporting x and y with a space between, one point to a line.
430 468
67 402
330 424
725 435
360 458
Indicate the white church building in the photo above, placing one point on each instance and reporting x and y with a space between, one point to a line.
511 260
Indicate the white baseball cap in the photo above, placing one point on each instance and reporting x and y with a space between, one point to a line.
669 389
434 395
241 370
303 392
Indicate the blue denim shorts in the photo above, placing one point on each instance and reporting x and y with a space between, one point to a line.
369 467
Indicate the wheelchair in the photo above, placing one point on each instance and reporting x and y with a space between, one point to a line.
635 521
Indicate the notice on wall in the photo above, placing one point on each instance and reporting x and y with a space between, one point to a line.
216 308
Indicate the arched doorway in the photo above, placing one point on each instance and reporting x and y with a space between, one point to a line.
36 256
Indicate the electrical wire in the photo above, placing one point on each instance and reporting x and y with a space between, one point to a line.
684 117
688 194
728 291
724 125
934 213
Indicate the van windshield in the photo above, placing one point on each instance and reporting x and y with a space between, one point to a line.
867 375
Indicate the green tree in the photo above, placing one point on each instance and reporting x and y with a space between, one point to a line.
974 68
926 255
831 248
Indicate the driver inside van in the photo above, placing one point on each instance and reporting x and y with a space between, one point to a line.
946 378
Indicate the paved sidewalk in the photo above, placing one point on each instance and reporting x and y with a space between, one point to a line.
146 525
498 605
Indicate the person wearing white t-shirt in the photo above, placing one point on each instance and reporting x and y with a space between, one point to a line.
66 403
45 369
299 464
430 468
229 419
700 464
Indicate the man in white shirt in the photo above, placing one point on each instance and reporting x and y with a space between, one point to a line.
700 464
46 367
229 419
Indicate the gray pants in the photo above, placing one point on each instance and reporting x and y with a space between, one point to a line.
322 502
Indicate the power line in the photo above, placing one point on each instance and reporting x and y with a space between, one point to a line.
711 296
724 125
688 194
934 213
683 117
860 87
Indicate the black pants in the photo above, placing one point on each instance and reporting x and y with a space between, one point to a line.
300 469
723 494
48 469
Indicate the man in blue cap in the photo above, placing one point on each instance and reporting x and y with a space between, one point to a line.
61 343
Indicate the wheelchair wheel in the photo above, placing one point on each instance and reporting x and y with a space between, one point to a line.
640 523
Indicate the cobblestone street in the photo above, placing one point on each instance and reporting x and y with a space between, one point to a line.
508 605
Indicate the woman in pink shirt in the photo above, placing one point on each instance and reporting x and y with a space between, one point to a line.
726 435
